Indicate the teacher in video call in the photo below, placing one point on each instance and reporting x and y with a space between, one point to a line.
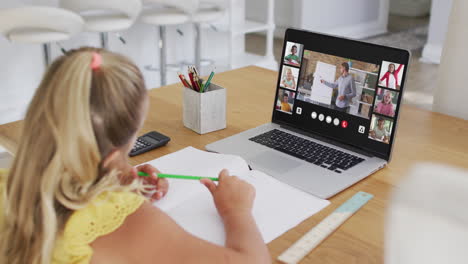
346 88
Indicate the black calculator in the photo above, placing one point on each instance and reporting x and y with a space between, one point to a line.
147 142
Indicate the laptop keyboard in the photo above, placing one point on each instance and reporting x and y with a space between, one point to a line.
307 150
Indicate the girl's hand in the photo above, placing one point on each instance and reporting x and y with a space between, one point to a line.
159 185
231 194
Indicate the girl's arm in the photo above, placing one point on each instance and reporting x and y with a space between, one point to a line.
151 236
385 76
399 68
378 107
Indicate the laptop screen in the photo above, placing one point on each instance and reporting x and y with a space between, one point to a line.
341 89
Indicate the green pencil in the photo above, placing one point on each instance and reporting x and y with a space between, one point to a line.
207 83
172 176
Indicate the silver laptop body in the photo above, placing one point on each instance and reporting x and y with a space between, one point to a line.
297 172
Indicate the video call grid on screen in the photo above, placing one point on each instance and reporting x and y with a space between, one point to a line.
320 74
368 66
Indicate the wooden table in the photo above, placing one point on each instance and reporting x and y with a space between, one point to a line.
422 136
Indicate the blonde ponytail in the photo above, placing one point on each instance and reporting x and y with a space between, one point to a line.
77 116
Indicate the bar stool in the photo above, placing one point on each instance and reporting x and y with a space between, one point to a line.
39 25
163 13
105 16
208 11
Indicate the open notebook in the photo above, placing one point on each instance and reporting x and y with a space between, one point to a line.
277 207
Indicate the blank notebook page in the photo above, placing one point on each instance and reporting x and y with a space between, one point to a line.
278 207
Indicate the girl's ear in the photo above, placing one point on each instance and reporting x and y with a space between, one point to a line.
111 158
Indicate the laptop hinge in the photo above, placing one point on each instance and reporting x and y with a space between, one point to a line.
327 140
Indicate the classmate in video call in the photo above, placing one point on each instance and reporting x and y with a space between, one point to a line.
385 107
346 88
71 195
292 58
391 77
288 80
379 132
284 104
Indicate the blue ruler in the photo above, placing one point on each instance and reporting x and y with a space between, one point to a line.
320 232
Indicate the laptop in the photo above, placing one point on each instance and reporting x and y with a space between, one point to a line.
334 116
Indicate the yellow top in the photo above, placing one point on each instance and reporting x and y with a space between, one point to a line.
285 107
102 216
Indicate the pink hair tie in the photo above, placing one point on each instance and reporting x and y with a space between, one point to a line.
97 61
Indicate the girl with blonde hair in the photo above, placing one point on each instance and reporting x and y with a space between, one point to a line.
288 80
71 196
385 107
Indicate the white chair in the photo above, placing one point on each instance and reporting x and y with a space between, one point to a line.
207 11
163 13
41 25
104 16
427 220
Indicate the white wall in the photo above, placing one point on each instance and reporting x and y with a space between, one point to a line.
338 13
440 12
286 13
354 19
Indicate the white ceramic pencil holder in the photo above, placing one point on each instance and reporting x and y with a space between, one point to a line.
205 112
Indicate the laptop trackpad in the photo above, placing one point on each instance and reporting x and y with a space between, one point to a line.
274 162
